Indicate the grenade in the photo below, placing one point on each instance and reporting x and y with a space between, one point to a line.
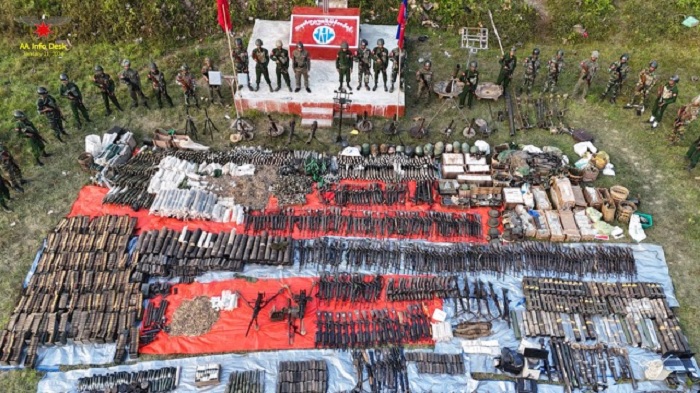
383 148
465 147
374 150
365 149
419 151
456 147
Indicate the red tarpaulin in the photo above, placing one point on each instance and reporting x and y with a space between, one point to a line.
228 333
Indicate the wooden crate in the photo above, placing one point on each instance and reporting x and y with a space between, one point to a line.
542 232
555 228
512 197
593 198
568 223
562 194
542 201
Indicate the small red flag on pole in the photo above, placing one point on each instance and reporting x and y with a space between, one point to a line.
224 15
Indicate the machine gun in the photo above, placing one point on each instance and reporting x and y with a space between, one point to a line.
293 312
257 306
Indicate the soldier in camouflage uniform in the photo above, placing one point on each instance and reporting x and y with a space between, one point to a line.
667 95
693 155
281 58
470 79
343 64
532 67
4 195
186 80
647 80
588 67
131 79
381 61
424 77
106 85
396 61
160 87
37 143
10 170
240 61
618 73
363 57
302 66
71 91
687 114
46 105
209 66
508 63
554 68
262 60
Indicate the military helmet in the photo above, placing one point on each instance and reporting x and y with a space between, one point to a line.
98 68
654 64
300 45
153 66
675 78
513 49
625 57
344 45
63 77
380 42
278 43
239 41
473 64
184 67
536 51
126 62
258 42
363 42
427 64
207 60
18 114
595 54
42 90
560 52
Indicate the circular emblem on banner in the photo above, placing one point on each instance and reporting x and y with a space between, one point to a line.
323 35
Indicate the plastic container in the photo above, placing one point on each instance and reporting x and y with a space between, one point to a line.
646 219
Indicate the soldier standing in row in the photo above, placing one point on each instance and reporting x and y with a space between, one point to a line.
398 58
554 68
470 79
71 91
508 63
240 60
532 67
363 57
424 77
10 170
687 114
343 64
302 66
106 85
381 61
281 58
588 67
618 73
186 80
46 105
667 96
262 59
209 66
131 79
37 144
160 87
693 155
647 80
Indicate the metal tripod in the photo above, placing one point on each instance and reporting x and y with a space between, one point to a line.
209 126
190 128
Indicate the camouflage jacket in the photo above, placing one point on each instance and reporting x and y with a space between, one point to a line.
363 57
104 82
588 69
618 71
470 79
344 60
240 59
71 91
130 77
157 79
394 57
508 63
281 57
425 76
668 94
186 81
555 66
381 58
647 78
261 57
46 105
302 61
532 66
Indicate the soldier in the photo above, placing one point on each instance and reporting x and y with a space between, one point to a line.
424 77
381 61
262 60
618 72
10 169
667 95
281 58
37 143
508 63
160 87
46 105
363 57
302 66
343 64
71 91
687 114
397 63
647 80
131 79
240 60
186 80
4 195
470 78
106 85
209 66
589 67
693 155
532 67
554 67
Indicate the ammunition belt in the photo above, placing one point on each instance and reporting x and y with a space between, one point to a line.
437 363
155 380
309 376
246 382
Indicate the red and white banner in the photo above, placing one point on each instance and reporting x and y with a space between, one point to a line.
325 31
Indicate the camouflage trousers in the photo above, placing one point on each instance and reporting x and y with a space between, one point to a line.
56 123
394 74
613 87
379 71
676 135
363 74
640 93
12 174
528 83
424 88
551 83
135 91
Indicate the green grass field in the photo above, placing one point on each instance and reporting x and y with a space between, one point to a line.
644 161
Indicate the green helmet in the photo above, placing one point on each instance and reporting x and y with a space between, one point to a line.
18 114
239 42
653 64
427 64
98 68
153 66
42 90
126 62
363 42
625 57
63 77
675 78
380 42
595 54
536 51
473 64
513 49
344 45
560 52
258 42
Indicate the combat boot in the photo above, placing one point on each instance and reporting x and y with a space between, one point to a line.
340 88
5 208
385 88
391 90
350 88
280 86
257 87
308 90
359 86
299 88
290 88
374 88
367 86
270 86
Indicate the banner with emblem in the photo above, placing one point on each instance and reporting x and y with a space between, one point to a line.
325 31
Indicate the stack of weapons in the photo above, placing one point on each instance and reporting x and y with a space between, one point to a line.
388 168
129 183
309 376
437 363
377 224
420 257
424 192
385 369
188 254
246 382
580 366
185 204
373 328
373 194
80 291
352 288
153 321
635 314
146 381
484 295
422 288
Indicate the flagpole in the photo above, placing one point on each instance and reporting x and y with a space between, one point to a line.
233 64
398 92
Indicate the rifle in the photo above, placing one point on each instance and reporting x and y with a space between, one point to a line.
103 85
186 87
260 303
154 80
585 74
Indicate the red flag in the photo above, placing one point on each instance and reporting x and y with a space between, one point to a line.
401 19
224 15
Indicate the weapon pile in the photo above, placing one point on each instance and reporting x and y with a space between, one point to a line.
246 382
388 168
153 321
346 287
129 182
292 189
437 363
373 194
80 291
417 257
152 381
309 376
422 288
483 294
385 369
373 328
